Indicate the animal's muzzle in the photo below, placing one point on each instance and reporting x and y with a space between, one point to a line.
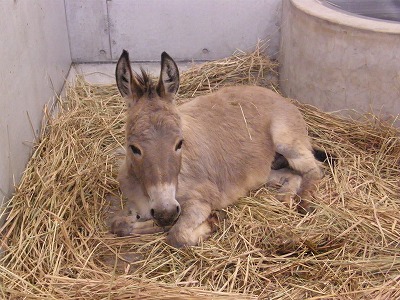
165 217
165 209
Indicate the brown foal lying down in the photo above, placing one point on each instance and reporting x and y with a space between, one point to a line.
183 162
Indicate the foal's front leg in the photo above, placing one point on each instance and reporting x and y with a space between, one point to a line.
193 224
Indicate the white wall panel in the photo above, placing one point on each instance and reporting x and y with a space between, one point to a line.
187 29
88 30
35 59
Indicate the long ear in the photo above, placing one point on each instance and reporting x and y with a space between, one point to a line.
127 83
169 76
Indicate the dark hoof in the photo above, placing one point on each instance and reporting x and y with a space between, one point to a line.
305 207
121 228
214 220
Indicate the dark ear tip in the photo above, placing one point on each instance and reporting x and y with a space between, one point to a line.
125 54
165 55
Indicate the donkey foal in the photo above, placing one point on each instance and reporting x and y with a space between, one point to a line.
183 162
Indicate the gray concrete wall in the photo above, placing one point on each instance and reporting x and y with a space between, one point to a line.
337 61
35 59
186 29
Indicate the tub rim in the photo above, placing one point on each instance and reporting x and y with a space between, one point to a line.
317 9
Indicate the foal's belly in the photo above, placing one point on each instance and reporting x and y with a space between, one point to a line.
235 190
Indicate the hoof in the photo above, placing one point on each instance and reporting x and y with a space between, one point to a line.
304 207
121 227
214 220
175 242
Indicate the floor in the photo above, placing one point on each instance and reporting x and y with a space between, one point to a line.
104 73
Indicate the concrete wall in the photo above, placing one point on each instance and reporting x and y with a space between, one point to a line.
35 59
186 29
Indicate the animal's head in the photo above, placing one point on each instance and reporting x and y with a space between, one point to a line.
154 136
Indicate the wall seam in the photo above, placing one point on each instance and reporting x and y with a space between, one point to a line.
69 36
109 30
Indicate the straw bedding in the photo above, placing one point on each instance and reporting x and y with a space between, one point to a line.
56 244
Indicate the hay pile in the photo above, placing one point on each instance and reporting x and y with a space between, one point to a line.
57 246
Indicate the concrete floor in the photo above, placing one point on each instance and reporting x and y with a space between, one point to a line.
104 73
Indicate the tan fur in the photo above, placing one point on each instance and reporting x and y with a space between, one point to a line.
230 140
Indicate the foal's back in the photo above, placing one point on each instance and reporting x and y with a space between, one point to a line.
229 144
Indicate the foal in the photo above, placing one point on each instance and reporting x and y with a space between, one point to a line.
183 162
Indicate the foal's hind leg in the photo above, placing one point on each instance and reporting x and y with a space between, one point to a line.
288 182
295 146
301 159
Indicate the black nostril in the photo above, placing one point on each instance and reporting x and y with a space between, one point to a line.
178 209
152 212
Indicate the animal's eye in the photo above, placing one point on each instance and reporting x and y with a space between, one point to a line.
179 145
135 150
137 217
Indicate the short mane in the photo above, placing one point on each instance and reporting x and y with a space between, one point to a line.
146 83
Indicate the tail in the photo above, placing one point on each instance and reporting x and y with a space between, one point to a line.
325 157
